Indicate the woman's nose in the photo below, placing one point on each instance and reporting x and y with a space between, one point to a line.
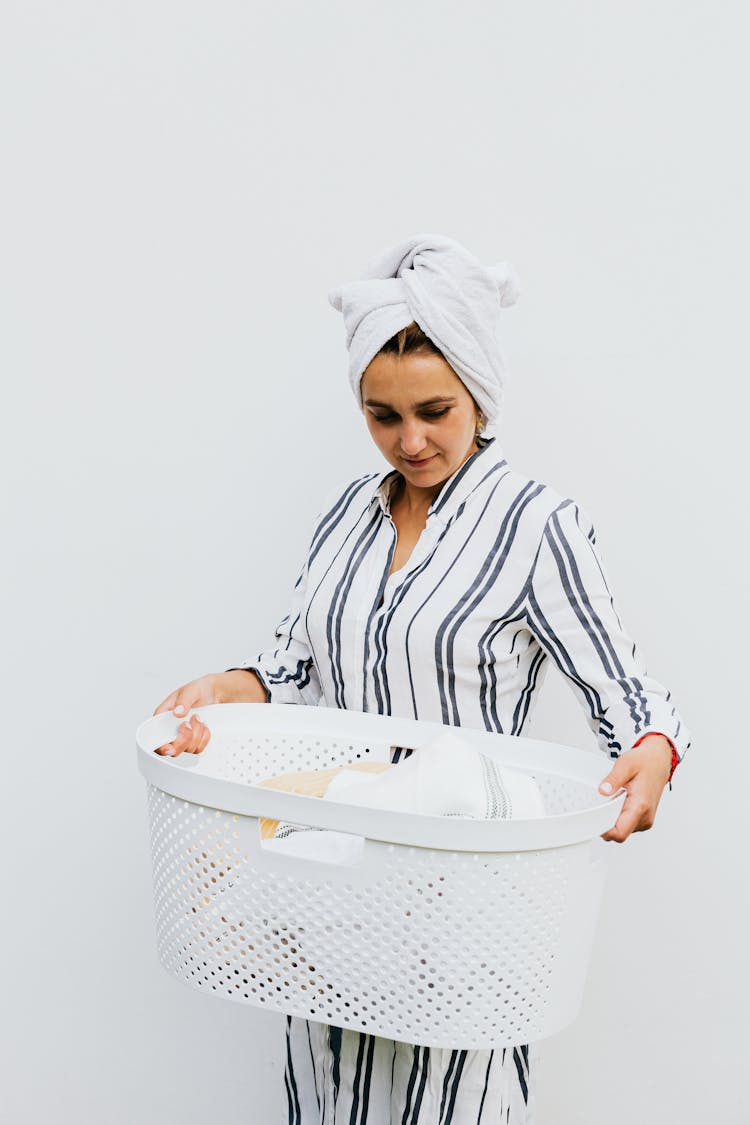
412 438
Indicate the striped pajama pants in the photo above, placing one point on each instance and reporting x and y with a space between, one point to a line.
343 1077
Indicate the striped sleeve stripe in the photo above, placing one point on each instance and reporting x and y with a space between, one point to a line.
580 603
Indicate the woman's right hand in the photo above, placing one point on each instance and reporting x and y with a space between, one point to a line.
237 686
193 736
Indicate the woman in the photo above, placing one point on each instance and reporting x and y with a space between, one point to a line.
437 590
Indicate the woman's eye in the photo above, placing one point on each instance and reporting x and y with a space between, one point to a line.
428 414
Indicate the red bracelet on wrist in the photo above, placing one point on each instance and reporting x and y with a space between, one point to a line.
675 756
675 763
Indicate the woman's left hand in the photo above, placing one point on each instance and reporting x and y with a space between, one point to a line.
644 772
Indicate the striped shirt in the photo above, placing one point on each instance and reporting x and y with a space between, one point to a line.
505 575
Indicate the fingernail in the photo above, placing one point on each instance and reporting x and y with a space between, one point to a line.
605 787
179 707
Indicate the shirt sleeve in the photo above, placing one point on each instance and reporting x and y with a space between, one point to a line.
287 670
572 614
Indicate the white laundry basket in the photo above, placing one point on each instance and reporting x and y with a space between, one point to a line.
442 931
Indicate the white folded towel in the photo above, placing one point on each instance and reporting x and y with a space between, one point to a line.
445 777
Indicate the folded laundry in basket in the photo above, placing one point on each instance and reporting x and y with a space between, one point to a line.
445 777
310 783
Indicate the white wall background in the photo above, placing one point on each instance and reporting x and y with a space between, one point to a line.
182 185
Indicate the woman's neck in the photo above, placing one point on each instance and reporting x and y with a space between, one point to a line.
415 502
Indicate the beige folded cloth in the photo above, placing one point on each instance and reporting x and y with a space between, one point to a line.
311 783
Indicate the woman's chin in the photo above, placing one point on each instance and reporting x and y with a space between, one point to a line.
433 476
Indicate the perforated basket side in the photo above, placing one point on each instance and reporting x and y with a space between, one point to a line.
446 949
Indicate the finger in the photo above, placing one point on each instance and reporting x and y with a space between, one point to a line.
633 818
174 703
181 742
196 730
201 735
182 706
204 739
167 750
614 832
618 777
187 697
188 736
166 704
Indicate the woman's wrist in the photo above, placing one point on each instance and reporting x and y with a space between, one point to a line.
240 685
670 752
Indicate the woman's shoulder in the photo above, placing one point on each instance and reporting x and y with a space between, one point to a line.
540 504
347 495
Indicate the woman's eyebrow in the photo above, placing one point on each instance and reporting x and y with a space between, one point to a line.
416 405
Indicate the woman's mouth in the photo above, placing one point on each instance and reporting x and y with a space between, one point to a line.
420 463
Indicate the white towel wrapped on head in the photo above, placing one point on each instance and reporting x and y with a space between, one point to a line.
434 281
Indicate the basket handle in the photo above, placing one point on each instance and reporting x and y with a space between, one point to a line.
326 848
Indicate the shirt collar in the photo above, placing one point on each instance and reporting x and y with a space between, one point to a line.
455 490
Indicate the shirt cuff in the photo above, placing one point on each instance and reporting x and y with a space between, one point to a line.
261 678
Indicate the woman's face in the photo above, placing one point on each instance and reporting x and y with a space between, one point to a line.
420 415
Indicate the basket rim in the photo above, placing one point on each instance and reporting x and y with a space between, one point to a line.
188 777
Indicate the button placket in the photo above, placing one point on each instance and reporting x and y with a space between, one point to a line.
422 548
